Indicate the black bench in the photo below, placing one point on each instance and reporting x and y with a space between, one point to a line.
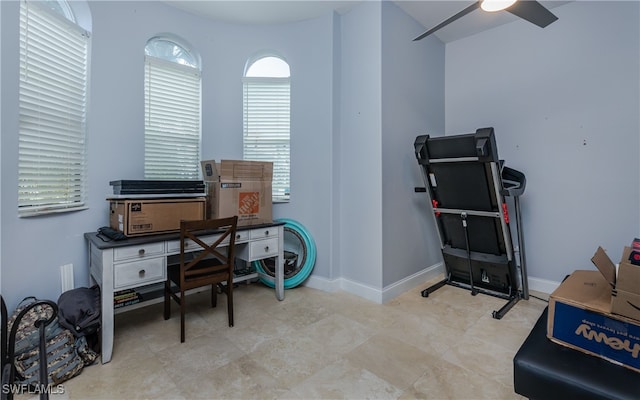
543 370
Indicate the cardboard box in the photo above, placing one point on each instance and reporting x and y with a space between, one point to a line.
135 217
625 285
241 188
579 318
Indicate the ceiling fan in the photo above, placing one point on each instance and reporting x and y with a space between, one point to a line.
529 10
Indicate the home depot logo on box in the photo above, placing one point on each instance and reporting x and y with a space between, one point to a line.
238 187
248 203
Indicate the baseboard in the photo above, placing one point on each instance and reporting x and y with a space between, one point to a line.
374 294
542 285
410 282
353 287
320 283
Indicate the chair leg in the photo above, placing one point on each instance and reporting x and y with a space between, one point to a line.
230 303
167 295
183 307
214 295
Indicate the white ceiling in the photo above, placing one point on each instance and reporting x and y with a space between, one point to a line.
262 11
428 12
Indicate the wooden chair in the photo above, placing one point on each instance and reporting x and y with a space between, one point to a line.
211 265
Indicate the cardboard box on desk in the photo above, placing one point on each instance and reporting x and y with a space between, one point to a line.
241 188
136 217
580 318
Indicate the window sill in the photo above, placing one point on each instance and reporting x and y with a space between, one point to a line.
48 211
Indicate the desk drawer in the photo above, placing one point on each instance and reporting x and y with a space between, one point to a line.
264 233
262 249
144 250
139 273
242 236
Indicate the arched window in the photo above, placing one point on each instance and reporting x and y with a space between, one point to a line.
61 7
54 68
266 113
172 87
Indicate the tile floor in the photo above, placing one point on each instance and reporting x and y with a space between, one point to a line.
315 345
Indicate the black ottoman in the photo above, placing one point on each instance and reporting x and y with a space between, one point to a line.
543 370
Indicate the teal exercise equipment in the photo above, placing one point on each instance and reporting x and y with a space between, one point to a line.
299 256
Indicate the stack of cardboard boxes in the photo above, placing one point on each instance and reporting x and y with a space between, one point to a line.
232 187
598 311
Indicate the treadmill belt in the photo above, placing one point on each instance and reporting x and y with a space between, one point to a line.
484 233
464 185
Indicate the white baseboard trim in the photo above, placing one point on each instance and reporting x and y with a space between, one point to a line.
397 288
374 294
542 285
320 283
334 285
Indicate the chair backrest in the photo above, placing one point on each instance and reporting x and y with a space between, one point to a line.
214 260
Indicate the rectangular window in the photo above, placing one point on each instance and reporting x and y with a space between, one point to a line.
172 120
52 115
267 126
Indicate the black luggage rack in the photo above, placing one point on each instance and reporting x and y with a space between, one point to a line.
468 187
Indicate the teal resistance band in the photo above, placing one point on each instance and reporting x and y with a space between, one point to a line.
299 262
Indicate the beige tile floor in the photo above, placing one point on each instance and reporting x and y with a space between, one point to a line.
315 345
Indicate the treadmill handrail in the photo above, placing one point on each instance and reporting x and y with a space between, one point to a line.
517 178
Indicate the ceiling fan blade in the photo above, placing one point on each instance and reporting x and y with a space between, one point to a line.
533 12
449 20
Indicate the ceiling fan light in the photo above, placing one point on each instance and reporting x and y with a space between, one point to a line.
496 5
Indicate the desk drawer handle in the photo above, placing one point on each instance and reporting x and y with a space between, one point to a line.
238 236
141 252
141 273
266 249
266 233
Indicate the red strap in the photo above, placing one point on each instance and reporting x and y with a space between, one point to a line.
505 212
434 203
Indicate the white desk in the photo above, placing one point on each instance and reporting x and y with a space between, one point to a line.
141 261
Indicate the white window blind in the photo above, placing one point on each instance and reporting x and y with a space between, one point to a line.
267 128
52 112
172 120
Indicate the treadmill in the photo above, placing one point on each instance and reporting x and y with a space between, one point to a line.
469 188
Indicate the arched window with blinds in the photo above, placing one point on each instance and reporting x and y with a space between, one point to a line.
54 65
266 118
172 93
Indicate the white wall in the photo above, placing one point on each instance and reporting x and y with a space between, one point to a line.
34 248
336 156
392 90
412 105
564 103
360 187
336 123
